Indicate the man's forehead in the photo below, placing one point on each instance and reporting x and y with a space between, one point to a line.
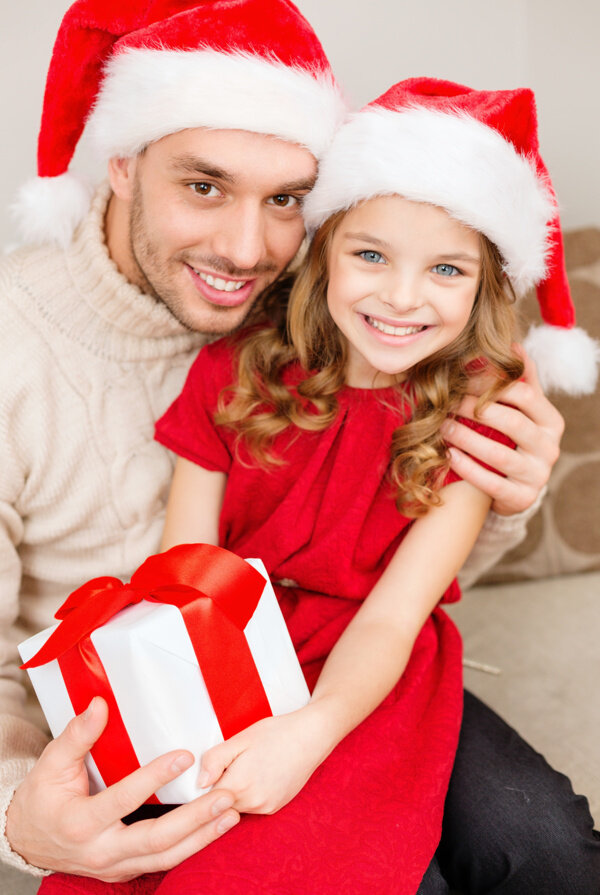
234 156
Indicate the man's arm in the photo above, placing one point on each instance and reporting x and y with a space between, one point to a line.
47 819
536 427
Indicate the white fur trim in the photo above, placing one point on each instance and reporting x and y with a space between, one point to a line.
450 160
149 93
48 209
566 359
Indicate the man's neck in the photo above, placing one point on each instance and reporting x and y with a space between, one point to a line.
118 243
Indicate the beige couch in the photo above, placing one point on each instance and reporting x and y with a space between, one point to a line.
536 618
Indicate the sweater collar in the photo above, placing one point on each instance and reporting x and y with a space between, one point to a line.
104 289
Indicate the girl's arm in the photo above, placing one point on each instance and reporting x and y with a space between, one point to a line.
267 764
194 506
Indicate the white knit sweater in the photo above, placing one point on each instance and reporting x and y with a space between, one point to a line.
87 364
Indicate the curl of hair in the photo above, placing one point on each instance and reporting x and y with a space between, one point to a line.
259 405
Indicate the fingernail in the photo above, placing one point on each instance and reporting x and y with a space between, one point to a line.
227 822
203 778
90 710
182 763
221 805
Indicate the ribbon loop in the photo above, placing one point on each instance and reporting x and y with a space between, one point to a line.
179 577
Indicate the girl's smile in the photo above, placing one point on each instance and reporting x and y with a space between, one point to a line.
403 277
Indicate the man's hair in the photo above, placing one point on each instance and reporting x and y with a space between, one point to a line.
270 393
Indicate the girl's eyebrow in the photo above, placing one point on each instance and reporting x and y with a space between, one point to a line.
460 256
449 256
368 237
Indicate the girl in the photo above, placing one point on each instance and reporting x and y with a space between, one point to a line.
315 444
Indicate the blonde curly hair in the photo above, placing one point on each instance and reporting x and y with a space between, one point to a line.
259 405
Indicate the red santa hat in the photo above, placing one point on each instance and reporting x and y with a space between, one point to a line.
133 72
476 154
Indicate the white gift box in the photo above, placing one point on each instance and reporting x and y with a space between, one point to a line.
158 685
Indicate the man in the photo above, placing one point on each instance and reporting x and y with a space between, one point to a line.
211 117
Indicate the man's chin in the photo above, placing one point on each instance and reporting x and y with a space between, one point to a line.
218 322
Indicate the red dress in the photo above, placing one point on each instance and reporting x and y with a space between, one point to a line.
325 524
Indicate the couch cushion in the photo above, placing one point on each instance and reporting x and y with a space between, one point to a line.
564 536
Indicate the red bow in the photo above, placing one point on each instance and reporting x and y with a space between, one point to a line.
217 594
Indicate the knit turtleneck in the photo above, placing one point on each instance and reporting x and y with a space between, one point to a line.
111 317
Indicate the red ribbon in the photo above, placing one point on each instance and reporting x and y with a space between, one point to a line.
216 593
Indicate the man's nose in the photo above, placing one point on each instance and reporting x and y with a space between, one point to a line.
240 236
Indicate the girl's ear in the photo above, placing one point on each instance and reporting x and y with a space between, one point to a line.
121 174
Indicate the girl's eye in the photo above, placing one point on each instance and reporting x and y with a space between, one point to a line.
372 257
446 270
204 189
283 200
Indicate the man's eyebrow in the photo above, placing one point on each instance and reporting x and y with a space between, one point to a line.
368 237
297 186
194 166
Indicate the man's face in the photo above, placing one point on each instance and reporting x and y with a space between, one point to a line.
213 218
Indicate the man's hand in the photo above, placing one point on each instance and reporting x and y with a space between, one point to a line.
267 764
55 824
531 421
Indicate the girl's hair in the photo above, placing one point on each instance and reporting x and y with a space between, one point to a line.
267 398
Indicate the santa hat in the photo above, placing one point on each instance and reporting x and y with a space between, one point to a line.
476 154
133 72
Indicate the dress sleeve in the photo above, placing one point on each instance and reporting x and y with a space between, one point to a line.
488 432
188 427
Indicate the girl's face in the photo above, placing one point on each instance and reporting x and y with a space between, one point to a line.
403 277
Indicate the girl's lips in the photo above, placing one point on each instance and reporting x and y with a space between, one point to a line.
220 296
394 339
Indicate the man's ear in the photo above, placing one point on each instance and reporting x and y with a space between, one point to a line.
121 174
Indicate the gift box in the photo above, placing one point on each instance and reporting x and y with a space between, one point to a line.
191 651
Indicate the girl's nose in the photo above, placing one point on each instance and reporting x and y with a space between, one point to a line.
402 294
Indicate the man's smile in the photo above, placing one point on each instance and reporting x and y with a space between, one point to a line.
220 290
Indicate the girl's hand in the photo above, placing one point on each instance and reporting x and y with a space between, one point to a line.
267 764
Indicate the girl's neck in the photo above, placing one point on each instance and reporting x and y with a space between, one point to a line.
360 374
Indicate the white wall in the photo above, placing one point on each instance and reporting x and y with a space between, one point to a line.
549 45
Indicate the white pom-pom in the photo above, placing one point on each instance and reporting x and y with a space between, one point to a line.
566 359
48 209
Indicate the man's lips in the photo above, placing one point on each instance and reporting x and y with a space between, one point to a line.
218 290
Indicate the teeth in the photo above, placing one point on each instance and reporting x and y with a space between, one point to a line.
218 283
394 330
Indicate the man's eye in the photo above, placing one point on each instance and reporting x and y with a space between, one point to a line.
282 200
372 257
446 270
204 189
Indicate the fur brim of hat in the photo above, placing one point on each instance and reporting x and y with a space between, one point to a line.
147 94
449 160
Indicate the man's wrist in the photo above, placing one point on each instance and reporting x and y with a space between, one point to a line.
8 855
503 521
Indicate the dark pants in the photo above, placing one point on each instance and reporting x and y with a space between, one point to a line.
512 825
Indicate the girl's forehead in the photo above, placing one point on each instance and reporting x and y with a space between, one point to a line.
394 218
